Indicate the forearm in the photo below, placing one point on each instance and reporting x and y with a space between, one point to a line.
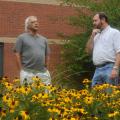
115 70
47 58
117 61
90 45
18 61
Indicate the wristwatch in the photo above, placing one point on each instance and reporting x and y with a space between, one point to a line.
116 67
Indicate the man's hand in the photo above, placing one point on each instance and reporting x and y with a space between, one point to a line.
95 31
114 74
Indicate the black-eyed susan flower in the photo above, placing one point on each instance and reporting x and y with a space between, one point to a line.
16 80
24 115
86 81
11 110
88 99
113 114
54 110
84 92
8 85
36 78
25 90
6 98
13 103
3 113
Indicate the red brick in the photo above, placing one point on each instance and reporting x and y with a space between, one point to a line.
53 19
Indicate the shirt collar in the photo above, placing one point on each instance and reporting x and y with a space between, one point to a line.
105 29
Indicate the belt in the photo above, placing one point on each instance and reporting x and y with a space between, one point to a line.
104 64
33 71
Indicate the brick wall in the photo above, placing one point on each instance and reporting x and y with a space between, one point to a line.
53 21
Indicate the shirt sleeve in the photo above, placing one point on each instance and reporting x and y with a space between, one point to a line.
117 41
18 45
47 49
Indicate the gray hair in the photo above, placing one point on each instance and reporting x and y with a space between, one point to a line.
28 21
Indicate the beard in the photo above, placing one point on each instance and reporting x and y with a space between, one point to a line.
99 26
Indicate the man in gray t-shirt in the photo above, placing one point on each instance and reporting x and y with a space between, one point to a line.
32 51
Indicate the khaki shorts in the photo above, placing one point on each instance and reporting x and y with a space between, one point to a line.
26 76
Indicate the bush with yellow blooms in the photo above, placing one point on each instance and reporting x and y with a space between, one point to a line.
40 102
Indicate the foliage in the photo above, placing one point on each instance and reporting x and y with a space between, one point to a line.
76 64
75 60
110 7
40 102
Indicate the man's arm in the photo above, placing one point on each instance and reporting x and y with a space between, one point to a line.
117 62
116 66
90 43
47 58
18 60
116 46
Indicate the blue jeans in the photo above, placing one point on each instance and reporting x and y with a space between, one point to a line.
102 75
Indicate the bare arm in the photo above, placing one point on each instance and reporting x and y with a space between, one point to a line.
47 58
90 43
117 62
18 59
116 66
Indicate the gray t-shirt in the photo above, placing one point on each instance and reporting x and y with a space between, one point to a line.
33 50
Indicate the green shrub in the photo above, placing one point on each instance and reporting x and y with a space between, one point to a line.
75 61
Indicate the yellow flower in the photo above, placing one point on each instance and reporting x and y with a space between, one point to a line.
45 96
94 118
3 113
16 80
73 119
38 85
102 87
113 114
25 90
116 92
84 92
9 86
5 78
88 99
6 98
64 113
67 99
24 115
16 118
54 110
36 78
50 88
82 111
86 81
13 103
11 110
98 87
52 119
